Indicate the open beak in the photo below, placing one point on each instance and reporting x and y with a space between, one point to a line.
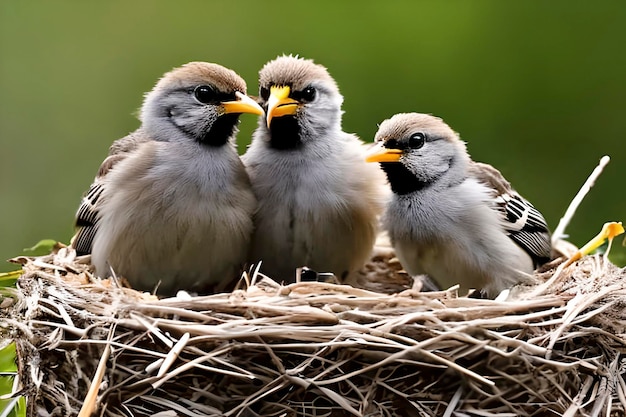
381 154
243 104
279 103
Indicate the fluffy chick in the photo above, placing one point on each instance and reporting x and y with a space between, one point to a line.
171 206
319 202
456 220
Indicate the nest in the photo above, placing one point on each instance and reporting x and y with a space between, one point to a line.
321 349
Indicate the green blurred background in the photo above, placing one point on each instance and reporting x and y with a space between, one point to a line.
538 89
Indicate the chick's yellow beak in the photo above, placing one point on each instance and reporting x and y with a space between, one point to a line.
243 104
279 103
379 153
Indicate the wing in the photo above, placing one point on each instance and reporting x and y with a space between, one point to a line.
87 219
527 227
87 216
524 224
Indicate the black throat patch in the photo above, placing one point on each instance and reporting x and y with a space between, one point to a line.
222 130
285 133
402 181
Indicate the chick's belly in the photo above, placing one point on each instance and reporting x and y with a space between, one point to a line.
181 246
439 263
326 247
197 256
295 238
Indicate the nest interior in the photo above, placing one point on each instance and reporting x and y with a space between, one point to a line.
318 349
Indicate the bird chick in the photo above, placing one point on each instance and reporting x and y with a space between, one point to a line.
319 202
171 206
456 220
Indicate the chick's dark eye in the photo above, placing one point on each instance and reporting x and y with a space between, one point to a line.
205 94
308 94
417 140
264 93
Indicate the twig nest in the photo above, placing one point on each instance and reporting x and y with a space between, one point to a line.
320 349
